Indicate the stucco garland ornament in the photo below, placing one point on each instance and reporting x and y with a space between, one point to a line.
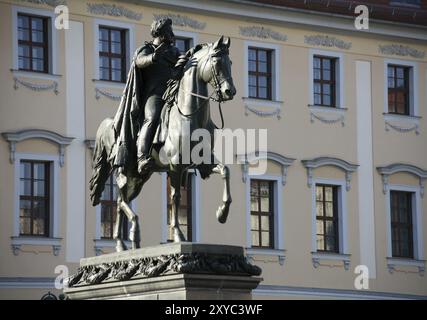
36 87
327 121
109 95
263 114
389 125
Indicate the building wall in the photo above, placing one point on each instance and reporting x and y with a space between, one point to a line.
294 135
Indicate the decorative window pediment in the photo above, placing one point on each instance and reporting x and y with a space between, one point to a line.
13 137
401 167
345 166
249 158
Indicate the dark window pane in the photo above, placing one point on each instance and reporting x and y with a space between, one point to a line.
262 55
252 66
37 24
115 35
103 34
37 36
23 22
38 64
103 46
262 93
116 48
23 34
262 67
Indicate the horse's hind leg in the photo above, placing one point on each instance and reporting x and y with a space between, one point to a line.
175 183
118 231
134 234
222 212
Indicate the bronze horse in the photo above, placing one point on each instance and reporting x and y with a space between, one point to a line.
208 64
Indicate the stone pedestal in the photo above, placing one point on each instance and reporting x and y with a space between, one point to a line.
170 271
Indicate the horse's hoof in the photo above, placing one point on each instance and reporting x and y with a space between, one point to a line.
222 212
178 236
135 245
120 246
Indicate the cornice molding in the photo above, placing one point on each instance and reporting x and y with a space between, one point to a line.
262 33
104 9
327 41
347 167
401 50
51 3
14 137
182 21
246 159
386 171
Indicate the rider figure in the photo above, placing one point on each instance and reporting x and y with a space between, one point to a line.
156 61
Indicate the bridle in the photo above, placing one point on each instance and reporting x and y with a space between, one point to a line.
217 90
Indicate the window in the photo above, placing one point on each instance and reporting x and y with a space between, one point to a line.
324 81
185 211
398 89
109 210
401 224
183 44
259 68
327 227
112 54
34 199
262 213
33 43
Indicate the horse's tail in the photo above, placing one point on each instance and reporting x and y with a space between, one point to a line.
101 168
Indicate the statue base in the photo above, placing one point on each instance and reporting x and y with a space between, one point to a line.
172 271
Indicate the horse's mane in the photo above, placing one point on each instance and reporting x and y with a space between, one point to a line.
173 84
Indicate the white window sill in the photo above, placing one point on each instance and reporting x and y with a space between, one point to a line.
328 115
279 253
325 256
402 123
109 84
262 108
392 263
17 242
35 75
107 243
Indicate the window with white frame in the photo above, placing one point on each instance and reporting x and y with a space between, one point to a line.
34 40
262 71
401 219
326 79
329 216
262 213
404 238
114 47
401 94
36 196
264 210
112 54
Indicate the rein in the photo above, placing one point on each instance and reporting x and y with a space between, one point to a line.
219 98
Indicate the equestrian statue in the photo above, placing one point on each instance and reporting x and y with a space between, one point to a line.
165 92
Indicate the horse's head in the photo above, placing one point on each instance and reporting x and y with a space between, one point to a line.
217 69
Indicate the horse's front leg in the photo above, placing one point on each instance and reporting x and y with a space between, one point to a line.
222 212
175 183
134 233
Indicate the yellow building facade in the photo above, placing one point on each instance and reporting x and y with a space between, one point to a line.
356 156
